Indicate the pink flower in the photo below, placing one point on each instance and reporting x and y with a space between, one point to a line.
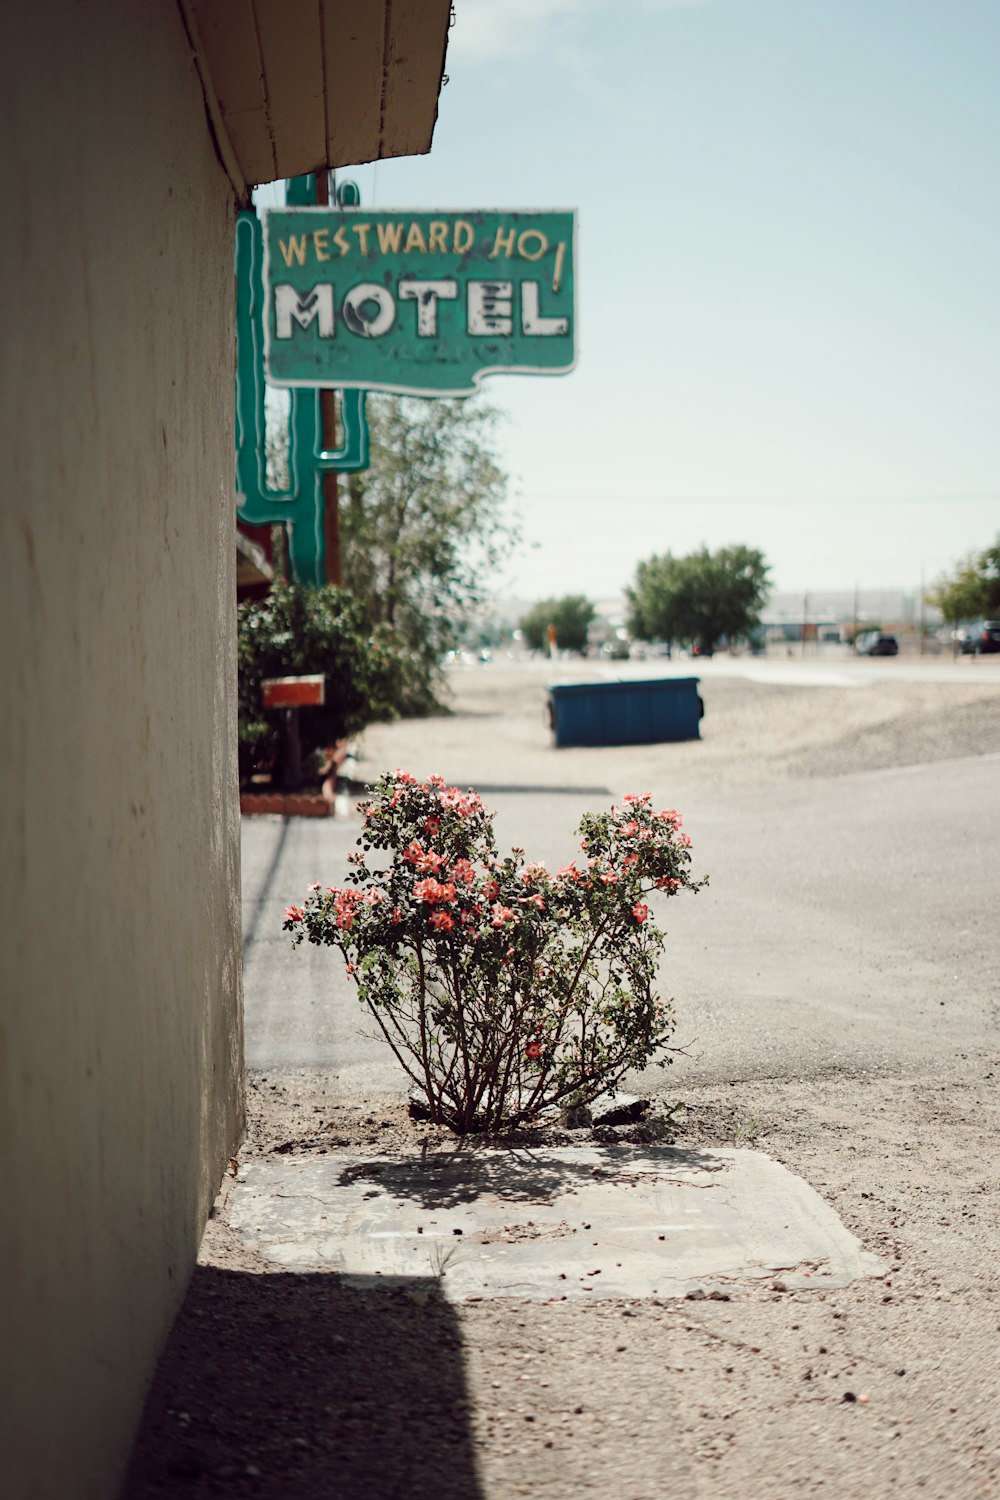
667 883
568 872
397 916
345 905
610 878
423 859
491 890
533 900
502 914
442 921
640 911
432 890
628 829
436 781
405 778
314 886
670 815
463 871
462 803
531 873
533 1050
293 914
432 826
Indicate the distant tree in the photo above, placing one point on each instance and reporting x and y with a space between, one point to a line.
424 526
421 529
973 589
989 563
571 615
699 598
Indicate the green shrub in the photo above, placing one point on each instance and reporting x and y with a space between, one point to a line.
297 631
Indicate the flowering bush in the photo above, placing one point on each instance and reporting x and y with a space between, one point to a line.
503 989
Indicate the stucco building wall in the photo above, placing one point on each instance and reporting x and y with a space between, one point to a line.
120 1030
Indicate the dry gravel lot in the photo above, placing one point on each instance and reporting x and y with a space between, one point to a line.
276 1385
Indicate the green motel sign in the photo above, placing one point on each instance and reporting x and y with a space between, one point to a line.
421 303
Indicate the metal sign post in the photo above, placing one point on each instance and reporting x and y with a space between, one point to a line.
291 694
301 507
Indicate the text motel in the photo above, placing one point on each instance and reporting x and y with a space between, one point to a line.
494 309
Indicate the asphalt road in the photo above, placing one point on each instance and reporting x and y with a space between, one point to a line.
849 925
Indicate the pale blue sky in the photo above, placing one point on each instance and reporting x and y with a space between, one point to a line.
789 290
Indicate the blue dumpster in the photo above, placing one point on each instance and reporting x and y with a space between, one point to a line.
625 713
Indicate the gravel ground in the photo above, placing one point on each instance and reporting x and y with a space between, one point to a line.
753 733
277 1385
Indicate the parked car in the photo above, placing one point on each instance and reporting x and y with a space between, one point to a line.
876 643
989 637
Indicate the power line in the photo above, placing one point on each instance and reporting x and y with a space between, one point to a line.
982 497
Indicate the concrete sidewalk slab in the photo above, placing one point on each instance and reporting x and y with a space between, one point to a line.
617 1222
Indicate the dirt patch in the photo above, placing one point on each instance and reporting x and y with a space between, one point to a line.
753 733
909 737
293 1111
277 1386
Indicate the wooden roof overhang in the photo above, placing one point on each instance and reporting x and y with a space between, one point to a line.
295 86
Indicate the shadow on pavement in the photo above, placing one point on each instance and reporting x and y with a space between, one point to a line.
486 789
257 902
277 1385
489 789
446 1179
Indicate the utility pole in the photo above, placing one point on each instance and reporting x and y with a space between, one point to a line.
854 618
920 624
328 416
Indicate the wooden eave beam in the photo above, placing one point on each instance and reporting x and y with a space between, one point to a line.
294 86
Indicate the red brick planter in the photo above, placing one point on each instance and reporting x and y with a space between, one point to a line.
286 804
299 804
